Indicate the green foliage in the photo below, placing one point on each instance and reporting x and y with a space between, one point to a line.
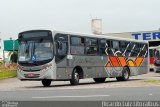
7 74
8 71
14 57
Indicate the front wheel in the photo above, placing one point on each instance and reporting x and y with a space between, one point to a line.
99 80
125 75
46 82
75 77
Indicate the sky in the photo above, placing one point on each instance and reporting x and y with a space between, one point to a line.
75 15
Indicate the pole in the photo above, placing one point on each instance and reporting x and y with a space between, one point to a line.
13 56
3 56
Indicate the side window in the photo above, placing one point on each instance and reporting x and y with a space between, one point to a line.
115 44
129 49
123 44
61 44
104 47
77 45
135 50
144 50
151 53
157 54
116 47
123 47
91 46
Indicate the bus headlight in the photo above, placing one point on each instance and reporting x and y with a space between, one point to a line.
46 67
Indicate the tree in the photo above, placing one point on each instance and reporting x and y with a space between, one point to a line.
14 57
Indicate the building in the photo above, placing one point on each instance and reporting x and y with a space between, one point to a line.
153 37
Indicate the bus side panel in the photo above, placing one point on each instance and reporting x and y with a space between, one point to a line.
94 66
144 68
141 69
63 71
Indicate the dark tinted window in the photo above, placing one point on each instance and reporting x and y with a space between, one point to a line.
91 42
124 48
61 44
104 46
151 53
123 44
91 46
77 45
115 50
102 43
115 44
135 50
144 50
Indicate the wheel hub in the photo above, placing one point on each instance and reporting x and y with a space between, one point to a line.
76 76
126 74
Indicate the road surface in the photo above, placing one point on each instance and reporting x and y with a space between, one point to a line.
135 89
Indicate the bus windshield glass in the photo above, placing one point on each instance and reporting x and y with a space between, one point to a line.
35 51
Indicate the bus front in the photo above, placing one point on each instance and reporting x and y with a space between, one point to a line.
35 56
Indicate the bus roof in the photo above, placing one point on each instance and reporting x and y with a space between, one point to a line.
99 36
91 35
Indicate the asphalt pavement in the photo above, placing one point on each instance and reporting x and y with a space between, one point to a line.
135 89
110 94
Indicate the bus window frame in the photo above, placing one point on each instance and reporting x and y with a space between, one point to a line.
70 36
99 41
97 54
56 49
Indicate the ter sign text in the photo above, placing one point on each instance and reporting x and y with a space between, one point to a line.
147 36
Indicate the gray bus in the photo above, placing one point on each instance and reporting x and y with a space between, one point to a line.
46 56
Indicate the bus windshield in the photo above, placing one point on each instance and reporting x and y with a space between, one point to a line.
32 51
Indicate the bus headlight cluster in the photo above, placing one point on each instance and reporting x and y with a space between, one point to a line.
19 68
46 67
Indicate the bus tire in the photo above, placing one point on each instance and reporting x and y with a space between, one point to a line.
75 77
46 82
125 75
99 80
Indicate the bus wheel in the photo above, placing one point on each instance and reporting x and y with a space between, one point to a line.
75 77
125 75
46 82
99 80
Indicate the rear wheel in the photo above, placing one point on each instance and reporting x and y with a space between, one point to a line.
125 75
46 82
99 80
75 77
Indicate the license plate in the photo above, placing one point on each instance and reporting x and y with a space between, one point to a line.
31 75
